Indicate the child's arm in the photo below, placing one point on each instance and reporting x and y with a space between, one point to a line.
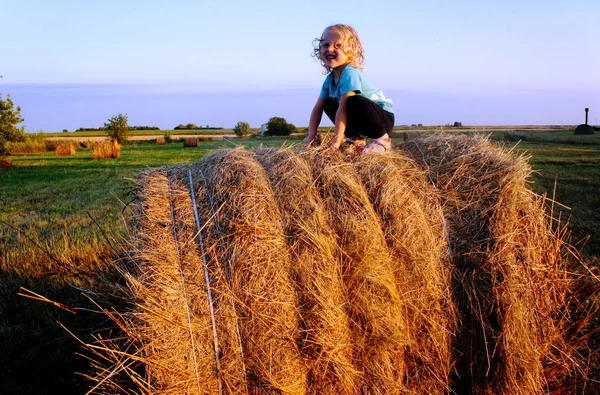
341 119
315 120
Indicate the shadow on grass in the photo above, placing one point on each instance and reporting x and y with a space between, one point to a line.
38 355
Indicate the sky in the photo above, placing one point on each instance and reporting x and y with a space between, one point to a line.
75 63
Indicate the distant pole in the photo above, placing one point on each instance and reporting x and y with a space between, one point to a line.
586 115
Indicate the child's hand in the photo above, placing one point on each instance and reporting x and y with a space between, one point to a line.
336 142
334 146
308 141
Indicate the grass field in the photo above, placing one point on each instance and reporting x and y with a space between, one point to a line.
144 132
63 218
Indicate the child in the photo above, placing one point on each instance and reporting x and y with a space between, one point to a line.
356 107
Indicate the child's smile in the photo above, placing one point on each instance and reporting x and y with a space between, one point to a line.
332 54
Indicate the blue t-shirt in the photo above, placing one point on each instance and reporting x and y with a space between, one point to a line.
352 79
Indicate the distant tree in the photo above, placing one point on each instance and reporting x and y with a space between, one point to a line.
168 136
278 126
457 124
10 117
117 128
191 126
242 129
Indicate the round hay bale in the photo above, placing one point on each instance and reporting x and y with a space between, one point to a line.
65 149
509 282
584 129
431 269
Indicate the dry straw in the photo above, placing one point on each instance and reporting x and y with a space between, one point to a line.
428 270
65 149
161 140
511 282
107 149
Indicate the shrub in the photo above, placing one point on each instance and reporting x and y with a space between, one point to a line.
10 117
190 142
90 129
189 126
65 149
167 137
242 129
117 128
278 126
108 149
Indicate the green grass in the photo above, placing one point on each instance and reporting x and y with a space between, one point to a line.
575 171
553 137
62 218
47 198
144 132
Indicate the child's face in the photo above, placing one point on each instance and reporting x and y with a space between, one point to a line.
332 53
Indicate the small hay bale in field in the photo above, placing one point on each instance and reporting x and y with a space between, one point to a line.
65 149
190 142
161 140
430 270
107 149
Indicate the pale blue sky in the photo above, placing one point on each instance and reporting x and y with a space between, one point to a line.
462 47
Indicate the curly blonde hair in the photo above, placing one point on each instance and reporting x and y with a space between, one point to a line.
352 46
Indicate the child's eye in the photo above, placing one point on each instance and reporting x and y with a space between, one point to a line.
338 45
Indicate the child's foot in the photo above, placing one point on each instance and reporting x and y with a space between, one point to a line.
382 144
353 142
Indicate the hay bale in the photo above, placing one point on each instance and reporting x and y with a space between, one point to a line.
65 149
190 142
178 348
509 280
255 256
106 149
374 304
325 340
431 269
584 129
413 221
161 140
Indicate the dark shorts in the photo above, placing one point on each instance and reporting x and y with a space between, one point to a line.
365 117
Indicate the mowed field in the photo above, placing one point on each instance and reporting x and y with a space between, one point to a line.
64 220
